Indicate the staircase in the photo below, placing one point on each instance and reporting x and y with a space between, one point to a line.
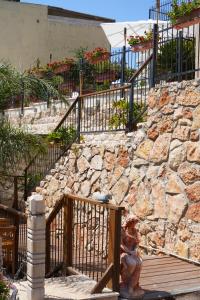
116 109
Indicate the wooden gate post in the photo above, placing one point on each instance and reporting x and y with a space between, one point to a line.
67 237
114 246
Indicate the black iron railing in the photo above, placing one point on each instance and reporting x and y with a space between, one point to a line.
178 55
163 8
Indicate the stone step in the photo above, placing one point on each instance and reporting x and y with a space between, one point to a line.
76 287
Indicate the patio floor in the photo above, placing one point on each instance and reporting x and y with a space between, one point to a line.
167 277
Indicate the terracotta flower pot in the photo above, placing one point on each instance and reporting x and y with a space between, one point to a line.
96 60
62 68
188 20
142 46
106 76
39 74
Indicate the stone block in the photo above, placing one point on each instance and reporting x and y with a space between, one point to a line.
36 271
36 204
160 150
37 246
35 294
36 223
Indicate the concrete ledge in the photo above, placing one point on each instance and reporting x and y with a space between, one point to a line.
68 288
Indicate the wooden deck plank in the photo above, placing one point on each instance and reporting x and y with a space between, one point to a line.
161 262
165 276
167 271
171 278
195 282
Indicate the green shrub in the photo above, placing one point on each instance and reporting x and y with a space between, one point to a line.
4 290
62 136
182 9
167 58
121 109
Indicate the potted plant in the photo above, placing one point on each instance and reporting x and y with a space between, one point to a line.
62 66
97 55
107 71
185 14
140 43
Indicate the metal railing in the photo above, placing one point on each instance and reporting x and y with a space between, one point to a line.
178 53
85 77
83 236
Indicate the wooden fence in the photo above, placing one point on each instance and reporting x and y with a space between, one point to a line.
83 236
19 220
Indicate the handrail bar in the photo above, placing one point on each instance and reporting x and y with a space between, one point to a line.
95 202
72 197
89 95
141 68
12 211
106 91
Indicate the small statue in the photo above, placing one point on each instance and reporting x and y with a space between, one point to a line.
131 262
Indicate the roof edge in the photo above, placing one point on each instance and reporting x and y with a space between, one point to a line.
57 11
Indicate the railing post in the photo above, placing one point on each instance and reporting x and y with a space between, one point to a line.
15 202
16 222
79 119
25 185
81 78
154 59
123 65
114 247
22 97
180 55
130 124
47 250
67 235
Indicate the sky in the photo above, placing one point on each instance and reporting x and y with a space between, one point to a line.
120 10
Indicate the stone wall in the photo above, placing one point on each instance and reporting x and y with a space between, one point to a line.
154 172
38 118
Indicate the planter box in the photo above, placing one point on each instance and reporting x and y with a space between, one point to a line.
107 76
62 68
39 74
188 20
142 47
100 59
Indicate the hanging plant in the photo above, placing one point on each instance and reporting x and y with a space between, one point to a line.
185 14
140 43
62 66
97 55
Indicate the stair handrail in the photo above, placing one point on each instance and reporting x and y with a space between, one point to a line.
141 68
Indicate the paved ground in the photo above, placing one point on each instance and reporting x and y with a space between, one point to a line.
68 288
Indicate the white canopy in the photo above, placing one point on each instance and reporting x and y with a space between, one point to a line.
115 31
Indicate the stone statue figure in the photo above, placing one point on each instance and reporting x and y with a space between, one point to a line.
131 261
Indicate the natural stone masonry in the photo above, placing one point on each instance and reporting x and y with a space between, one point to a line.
154 172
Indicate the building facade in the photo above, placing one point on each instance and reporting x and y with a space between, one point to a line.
30 32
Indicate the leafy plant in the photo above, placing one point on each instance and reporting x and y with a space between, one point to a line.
33 180
62 136
80 52
17 148
4 290
96 55
14 86
167 58
138 39
121 109
182 9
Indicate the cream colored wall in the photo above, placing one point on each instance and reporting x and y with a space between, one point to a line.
70 36
26 34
